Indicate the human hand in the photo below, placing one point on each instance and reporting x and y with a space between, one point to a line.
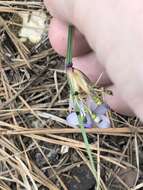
112 45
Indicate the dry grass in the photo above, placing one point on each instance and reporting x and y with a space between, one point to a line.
33 129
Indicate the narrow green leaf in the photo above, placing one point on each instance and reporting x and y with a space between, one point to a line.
68 62
69 46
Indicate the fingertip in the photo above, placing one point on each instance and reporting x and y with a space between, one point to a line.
58 32
57 37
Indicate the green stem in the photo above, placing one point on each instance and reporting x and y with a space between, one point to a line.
68 62
69 46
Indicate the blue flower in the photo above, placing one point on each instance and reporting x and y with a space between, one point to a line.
91 114
73 120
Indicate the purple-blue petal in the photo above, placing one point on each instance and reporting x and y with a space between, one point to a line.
104 123
88 125
101 109
72 119
89 122
82 108
91 103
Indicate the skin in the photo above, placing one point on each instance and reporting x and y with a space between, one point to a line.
108 40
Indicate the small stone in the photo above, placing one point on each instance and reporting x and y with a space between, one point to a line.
81 178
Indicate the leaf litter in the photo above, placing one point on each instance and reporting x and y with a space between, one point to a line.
38 149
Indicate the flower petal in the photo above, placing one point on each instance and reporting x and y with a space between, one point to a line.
82 108
72 119
101 109
91 103
104 122
89 123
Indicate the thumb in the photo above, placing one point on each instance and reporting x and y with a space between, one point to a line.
75 12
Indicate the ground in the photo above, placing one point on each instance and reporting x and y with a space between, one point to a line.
37 149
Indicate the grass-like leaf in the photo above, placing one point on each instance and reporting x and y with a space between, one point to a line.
68 62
